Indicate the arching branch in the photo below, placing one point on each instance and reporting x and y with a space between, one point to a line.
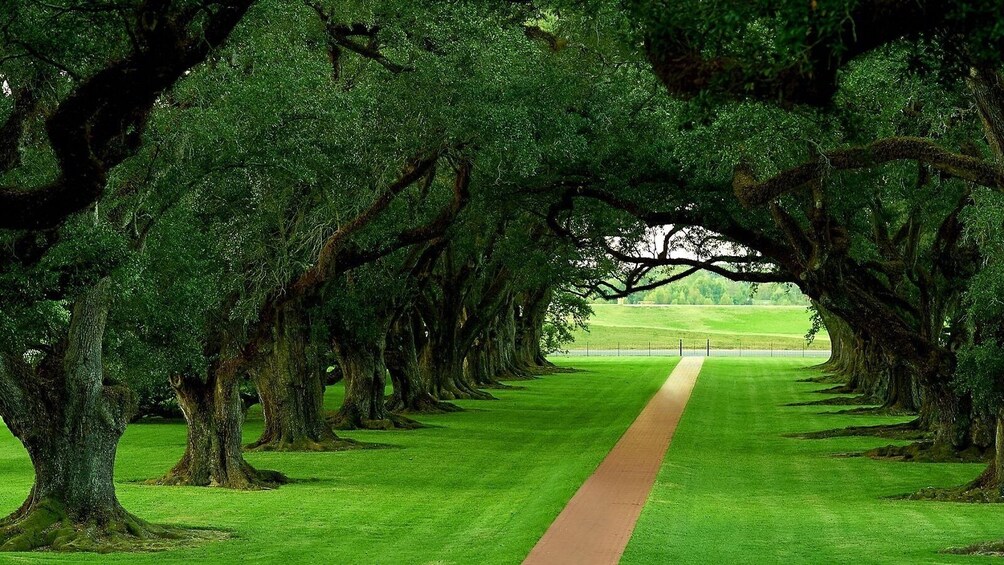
343 36
753 192
101 122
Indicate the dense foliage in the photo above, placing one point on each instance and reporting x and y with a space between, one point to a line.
208 204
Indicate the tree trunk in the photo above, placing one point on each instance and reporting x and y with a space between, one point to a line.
70 421
365 406
949 417
483 364
215 416
987 487
411 382
449 379
505 348
290 384
899 396
446 360
840 362
530 332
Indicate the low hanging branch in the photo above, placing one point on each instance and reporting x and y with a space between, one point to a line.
663 258
752 192
325 266
101 122
677 218
712 264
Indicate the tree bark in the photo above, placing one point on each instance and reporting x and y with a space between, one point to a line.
215 416
505 347
899 397
70 420
445 356
409 376
483 364
290 384
365 406
949 418
530 332
840 362
449 378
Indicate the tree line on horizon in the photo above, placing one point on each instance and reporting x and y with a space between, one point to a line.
711 289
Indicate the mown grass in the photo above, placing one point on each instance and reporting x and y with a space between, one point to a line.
733 489
751 327
475 487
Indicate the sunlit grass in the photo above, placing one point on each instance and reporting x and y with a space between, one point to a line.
733 489
479 486
662 327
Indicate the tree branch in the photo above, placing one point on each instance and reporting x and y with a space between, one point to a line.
752 192
100 123
686 71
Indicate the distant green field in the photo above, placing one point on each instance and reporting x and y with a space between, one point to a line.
662 327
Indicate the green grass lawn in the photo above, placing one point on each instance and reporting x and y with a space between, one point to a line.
757 327
733 490
475 487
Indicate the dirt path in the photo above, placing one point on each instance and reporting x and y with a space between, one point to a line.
595 526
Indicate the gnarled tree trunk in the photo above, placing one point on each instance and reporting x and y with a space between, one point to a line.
409 376
899 389
450 382
530 332
290 384
365 406
505 347
70 421
215 415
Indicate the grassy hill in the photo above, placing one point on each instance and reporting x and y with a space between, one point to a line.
756 327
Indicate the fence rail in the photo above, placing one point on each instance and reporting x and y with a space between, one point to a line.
684 349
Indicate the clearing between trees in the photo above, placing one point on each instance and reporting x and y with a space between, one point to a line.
662 326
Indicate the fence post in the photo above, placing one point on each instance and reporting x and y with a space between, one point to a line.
587 349
618 349
650 349
709 348
772 349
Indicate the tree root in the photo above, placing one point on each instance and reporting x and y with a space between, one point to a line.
988 548
47 525
837 401
985 489
926 452
518 374
907 431
340 420
828 378
892 410
463 392
244 477
839 389
304 443
427 404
